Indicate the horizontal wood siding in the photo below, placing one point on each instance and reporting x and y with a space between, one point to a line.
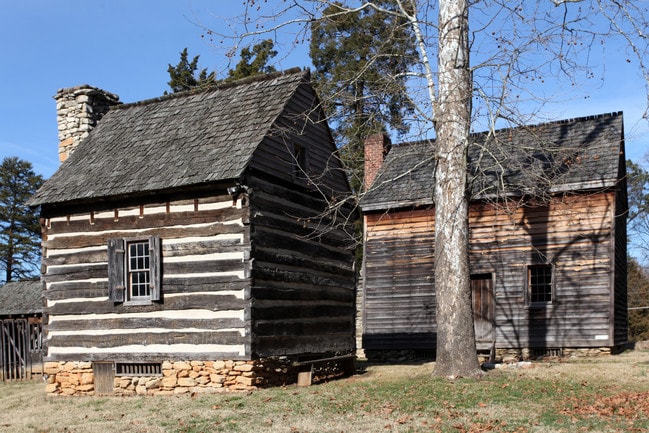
572 233
399 291
205 307
303 279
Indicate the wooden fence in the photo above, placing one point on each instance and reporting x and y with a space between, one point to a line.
21 344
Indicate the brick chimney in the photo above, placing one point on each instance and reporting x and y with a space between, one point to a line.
78 109
376 147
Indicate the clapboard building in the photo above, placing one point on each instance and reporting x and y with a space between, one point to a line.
187 239
547 222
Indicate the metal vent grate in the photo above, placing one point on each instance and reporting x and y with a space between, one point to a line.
138 369
548 352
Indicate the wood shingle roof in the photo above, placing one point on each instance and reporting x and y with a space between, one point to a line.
570 155
21 298
180 140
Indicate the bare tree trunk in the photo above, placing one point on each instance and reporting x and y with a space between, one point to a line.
456 348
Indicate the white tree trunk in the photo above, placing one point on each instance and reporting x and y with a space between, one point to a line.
456 348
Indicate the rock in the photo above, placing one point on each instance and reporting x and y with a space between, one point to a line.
153 383
247 381
217 378
87 378
244 367
169 382
181 365
186 382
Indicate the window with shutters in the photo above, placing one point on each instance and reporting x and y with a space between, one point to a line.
134 270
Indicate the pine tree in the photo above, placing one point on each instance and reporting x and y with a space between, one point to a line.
254 62
183 75
19 227
359 60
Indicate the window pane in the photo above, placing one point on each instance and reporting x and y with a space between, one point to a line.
138 272
540 284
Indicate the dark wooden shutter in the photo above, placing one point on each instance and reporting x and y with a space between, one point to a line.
155 267
116 278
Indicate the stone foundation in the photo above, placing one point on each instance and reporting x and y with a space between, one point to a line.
515 355
178 377
501 355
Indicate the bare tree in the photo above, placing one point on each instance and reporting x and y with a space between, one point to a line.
481 64
638 218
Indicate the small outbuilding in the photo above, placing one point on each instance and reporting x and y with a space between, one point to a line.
547 218
189 244
21 317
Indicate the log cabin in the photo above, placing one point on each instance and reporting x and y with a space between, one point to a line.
187 240
547 253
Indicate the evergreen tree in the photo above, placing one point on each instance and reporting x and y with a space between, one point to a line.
254 62
20 231
638 298
638 218
359 60
183 75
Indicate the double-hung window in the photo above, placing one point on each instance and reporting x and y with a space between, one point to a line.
540 283
134 270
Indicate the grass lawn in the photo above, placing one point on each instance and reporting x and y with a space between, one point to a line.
606 394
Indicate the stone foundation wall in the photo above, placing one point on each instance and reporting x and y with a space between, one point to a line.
513 355
178 377
501 355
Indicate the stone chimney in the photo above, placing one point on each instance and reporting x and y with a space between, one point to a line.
376 147
78 109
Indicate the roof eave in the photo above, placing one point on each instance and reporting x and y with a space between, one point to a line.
389 205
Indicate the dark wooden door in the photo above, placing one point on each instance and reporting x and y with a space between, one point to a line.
483 310
104 375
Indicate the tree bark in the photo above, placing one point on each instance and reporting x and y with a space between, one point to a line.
456 348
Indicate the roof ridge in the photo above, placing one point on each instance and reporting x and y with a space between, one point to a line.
513 128
222 84
556 122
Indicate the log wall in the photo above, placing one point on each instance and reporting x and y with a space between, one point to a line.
204 313
302 124
574 233
303 278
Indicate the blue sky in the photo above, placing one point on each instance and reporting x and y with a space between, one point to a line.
125 46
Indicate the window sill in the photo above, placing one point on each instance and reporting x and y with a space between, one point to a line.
138 302
539 305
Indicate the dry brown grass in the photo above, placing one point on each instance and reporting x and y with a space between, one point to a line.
601 394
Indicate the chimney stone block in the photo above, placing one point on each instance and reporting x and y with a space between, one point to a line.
78 109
